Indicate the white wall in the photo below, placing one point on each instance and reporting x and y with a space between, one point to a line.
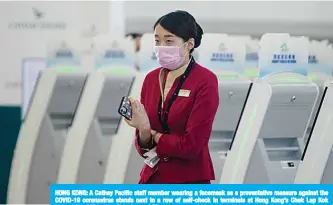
18 43
312 11
300 17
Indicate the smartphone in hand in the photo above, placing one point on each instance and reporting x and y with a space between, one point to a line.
125 108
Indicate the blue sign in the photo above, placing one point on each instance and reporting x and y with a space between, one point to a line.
114 57
315 67
190 194
312 59
64 54
222 57
221 61
252 57
109 54
283 62
63 57
284 58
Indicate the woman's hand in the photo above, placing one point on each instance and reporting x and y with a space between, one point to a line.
156 136
140 118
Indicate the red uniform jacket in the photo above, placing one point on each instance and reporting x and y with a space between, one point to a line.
190 122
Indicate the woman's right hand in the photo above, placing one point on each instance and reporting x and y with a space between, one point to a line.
140 118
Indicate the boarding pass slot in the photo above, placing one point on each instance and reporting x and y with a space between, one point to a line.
220 141
61 121
282 149
109 126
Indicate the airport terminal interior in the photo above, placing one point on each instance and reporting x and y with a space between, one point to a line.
65 67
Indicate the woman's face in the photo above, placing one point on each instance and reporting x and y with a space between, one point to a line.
165 38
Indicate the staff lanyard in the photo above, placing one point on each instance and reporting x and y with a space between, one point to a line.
164 120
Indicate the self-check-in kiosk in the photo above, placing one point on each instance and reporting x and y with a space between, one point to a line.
233 95
91 138
123 154
42 136
316 166
320 64
97 121
124 162
269 139
269 142
227 60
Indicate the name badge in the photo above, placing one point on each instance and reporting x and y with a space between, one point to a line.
184 93
151 162
151 158
151 154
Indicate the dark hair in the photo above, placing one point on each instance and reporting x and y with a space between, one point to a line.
183 25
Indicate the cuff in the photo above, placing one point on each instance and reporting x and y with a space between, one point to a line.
138 141
151 141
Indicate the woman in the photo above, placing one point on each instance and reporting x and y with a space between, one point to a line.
137 38
178 104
